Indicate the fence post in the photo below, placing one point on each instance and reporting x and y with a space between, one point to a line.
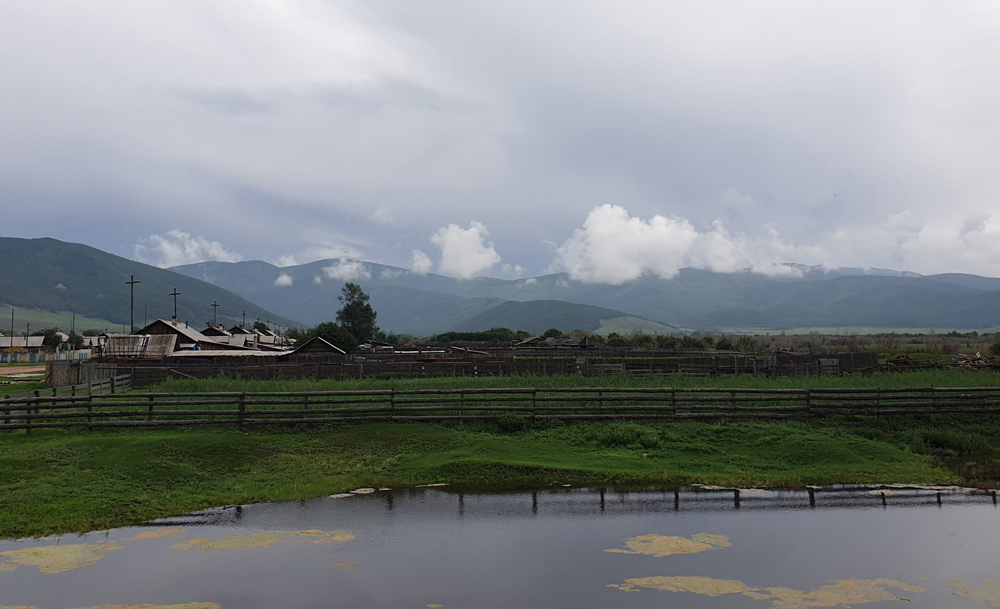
305 405
149 417
808 405
243 408
392 405
732 405
534 404
90 408
112 384
878 402
461 407
600 402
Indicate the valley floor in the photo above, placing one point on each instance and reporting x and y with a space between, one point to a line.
63 481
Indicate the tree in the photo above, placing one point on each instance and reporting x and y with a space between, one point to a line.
552 333
52 338
334 334
75 341
357 315
260 326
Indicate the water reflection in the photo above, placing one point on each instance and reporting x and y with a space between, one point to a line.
702 547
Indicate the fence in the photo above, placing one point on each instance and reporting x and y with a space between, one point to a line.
242 408
23 358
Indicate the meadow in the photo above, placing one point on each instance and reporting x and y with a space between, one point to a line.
74 480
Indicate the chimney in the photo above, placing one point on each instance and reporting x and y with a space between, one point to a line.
173 320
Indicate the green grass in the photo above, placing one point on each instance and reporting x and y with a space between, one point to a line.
61 481
73 480
886 380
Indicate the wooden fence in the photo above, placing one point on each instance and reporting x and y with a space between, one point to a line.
134 409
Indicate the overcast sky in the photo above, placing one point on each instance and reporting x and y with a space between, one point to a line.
607 139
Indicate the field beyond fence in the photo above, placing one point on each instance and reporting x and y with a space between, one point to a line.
94 409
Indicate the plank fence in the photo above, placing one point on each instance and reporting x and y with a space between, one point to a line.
95 410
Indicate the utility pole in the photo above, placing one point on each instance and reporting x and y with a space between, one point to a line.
244 325
131 302
72 327
175 294
215 311
145 309
27 333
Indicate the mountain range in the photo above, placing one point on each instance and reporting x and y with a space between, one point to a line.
695 299
47 278
42 277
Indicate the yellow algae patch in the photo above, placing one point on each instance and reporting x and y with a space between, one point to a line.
56 559
435 484
264 539
847 592
434 606
183 606
987 594
6 567
232 542
322 536
843 592
665 545
345 564
340 495
155 534
363 491
708 586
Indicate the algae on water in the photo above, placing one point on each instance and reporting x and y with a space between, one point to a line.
56 559
155 534
144 606
665 545
986 594
262 540
847 592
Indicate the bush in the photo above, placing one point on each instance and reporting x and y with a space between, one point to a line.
511 423
625 434
995 349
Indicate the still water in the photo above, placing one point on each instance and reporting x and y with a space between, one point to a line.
555 548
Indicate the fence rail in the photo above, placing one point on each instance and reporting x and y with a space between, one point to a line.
102 406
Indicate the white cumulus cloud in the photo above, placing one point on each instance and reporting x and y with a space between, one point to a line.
178 247
287 260
422 263
347 270
465 252
283 280
613 248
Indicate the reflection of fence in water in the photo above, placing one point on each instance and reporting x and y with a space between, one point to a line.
432 405
588 501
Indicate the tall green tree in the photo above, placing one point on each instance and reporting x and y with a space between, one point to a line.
334 334
357 315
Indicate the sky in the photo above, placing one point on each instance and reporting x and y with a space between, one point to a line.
608 140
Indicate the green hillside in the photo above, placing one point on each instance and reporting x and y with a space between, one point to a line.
53 276
695 299
539 315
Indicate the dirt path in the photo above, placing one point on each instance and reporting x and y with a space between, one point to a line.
6 370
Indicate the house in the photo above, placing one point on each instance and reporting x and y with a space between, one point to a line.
29 343
187 337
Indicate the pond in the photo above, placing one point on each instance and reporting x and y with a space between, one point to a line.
558 547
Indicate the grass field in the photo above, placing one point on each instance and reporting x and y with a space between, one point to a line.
929 378
61 481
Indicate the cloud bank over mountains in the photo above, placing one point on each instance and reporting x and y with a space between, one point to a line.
603 139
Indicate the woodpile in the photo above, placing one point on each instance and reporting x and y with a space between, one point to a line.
976 362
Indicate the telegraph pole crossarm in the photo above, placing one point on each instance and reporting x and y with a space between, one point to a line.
215 311
175 294
131 302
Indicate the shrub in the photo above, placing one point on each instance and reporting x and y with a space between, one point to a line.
995 349
511 423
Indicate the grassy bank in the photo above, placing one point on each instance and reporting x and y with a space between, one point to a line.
885 380
59 481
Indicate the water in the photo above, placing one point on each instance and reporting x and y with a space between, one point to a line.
431 547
